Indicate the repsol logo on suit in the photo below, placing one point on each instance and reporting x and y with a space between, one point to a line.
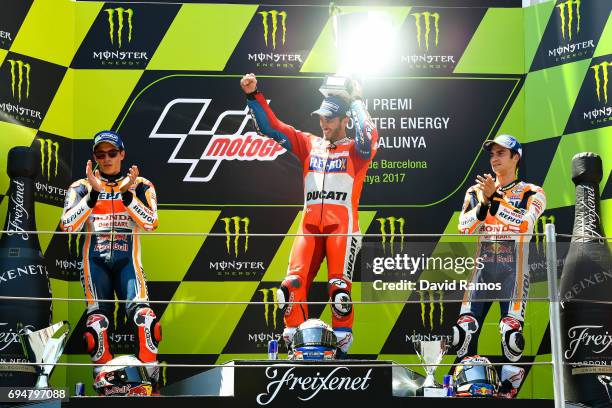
109 196
326 195
322 164
510 218
143 214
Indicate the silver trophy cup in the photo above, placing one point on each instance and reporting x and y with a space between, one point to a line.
44 347
430 353
336 85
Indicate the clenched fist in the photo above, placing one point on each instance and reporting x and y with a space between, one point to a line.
248 83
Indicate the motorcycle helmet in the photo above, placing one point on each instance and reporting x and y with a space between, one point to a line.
475 377
125 376
313 340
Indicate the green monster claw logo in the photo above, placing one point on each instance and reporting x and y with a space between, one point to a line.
426 18
74 239
540 227
164 369
49 151
274 17
234 223
111 23
431 294
266 293
18 69
383 231
604 75
567 7
116 315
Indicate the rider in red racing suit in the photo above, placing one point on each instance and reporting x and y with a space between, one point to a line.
334 168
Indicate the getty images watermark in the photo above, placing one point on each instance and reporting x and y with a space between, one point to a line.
404 264
393 269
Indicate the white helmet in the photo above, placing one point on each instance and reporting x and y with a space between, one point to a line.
124 375
314 340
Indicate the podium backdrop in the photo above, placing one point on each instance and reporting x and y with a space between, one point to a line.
165 76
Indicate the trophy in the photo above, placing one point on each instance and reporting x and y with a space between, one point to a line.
336 85
44 347
430 353
606 381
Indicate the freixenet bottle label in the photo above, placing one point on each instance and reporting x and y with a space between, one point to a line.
22 270
586 282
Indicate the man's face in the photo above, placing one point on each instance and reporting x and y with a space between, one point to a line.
333 128
500 160
108 158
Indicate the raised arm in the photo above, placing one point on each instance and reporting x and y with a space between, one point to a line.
141 203
472 213
269 125
78 205
366 135
525 215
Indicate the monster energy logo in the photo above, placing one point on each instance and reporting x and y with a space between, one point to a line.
598 80
164 369
20 73
540 227
566 8
74 240
49 151
111 23
266 294
428 298
392 231
274 14
232 228
116 315
427 17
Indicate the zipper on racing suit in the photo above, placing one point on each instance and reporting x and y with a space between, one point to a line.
112 243
330 146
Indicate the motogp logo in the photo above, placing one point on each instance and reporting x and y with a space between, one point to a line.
235 146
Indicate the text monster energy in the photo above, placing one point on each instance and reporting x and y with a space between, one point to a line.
232 228
274 14
20 73
120 11
266 293
566 8
392 231
49 151
5 35
601 82
431 301
427 18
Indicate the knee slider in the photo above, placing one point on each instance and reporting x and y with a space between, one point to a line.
513 342
345 339
288 334
463 333
340 295
513 374
96 338
286 293
148 332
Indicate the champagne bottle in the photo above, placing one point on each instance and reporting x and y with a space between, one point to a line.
22 270
586 283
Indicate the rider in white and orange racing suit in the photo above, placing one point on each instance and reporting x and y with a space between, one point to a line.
111 260
513 209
